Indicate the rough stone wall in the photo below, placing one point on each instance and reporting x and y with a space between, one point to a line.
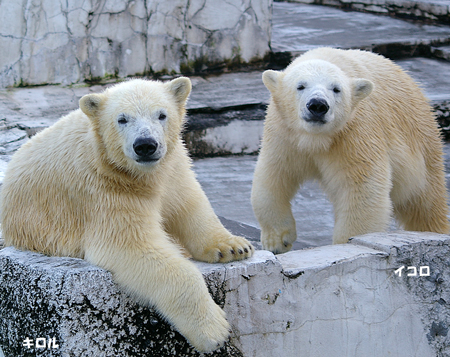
78 306
59 41
344 300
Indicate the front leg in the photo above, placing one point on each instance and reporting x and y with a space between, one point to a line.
152 269
274 185
361 202
189 217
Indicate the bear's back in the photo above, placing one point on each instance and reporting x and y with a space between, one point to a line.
62 143
35 187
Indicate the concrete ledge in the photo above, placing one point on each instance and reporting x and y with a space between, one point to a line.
344 300
430 10
298 28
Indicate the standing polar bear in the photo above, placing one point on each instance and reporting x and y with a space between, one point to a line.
112 183
359 125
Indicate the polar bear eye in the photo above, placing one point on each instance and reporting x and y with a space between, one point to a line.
122 119
336 90
162 116
301 87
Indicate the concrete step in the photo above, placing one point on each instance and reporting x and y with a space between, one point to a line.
429 10
298 28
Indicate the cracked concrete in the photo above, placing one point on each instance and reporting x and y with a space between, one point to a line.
67 43
343 300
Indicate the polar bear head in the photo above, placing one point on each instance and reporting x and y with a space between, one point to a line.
315 96
137 122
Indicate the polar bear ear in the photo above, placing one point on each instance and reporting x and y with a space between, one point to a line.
270 79
180 88
91 104
361 88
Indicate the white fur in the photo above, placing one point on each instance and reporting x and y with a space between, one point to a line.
375 151
77 189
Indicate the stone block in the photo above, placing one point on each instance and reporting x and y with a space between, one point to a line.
79 306
235 137
67 41
343 300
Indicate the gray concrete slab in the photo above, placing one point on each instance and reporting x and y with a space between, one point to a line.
300 27
227 91
428 10
432 75
41 106
340 300
227 182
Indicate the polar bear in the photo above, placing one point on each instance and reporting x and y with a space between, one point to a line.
358 124
112 183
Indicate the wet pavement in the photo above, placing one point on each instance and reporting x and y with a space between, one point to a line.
227 182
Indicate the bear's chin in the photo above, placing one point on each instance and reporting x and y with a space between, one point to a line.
147 162
316 127
328 125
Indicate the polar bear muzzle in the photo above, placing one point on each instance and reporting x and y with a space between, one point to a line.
317 108
145 149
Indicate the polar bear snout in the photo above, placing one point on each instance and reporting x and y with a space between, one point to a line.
317 108
145 149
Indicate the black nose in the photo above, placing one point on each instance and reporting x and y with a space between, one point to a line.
317 107
145 147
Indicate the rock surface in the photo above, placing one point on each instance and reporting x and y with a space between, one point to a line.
70 41
344 300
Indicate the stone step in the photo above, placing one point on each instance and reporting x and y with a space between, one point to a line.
298 28
429 10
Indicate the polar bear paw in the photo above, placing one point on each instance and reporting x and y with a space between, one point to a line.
227 250
278 243
212 331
